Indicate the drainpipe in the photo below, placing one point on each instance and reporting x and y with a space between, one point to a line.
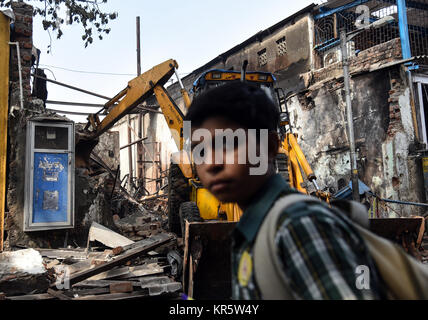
349 116
404 29
21 94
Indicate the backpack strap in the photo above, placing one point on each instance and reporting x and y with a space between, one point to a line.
268 269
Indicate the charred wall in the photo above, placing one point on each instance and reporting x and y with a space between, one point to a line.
383 124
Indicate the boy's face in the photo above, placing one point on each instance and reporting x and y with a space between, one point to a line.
228 181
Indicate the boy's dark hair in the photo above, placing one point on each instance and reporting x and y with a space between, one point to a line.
244 103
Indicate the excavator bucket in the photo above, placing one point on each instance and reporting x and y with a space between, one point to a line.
207 260
408 232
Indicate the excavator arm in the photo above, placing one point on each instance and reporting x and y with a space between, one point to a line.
137 91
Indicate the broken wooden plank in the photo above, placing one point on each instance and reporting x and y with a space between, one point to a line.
148 241
89 263
163 288
131 254
58 294
63 254
101 283
146 270
115 296
145 282
107 237
121 287
111 274
129 272
41 296
89 292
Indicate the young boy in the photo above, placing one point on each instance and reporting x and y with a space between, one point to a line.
319 253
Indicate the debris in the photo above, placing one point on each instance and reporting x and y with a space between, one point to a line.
129 270
22 261
140 225
121 287
107 237
85 274
58 294
176 262
52 264
116 251
115 296
63 254
22 272
40 296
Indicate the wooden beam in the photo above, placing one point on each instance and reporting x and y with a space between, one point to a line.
148 241
132 143
115 296
132 254
42 296
4 101
58 294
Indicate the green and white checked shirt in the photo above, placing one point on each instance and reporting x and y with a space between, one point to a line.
320 251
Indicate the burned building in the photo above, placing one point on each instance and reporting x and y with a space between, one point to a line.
388 77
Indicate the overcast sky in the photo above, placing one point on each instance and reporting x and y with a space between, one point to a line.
192 32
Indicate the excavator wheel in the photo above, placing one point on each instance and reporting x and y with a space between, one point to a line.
189 211
282 166
178 192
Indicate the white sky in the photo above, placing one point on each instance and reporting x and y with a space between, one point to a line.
192 32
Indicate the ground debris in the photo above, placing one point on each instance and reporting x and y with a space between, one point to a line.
132 270
23 271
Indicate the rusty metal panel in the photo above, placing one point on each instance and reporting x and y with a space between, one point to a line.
207 260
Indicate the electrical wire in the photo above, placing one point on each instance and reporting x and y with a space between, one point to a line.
95 72
89 72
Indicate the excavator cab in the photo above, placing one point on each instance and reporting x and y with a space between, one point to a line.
217 77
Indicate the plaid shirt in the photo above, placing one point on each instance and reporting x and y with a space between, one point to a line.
320 251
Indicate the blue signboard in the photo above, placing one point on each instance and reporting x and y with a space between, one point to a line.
50 187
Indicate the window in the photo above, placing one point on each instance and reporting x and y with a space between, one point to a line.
281 46
422 92
262 57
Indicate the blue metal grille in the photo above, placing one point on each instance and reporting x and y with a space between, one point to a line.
330 20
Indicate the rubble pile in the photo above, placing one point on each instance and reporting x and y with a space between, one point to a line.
143 222
112 267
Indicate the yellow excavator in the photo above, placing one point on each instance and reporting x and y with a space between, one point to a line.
193 212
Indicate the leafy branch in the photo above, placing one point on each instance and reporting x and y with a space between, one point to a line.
87 14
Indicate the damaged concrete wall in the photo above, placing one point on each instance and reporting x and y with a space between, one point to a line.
383 125
108 148
288 54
